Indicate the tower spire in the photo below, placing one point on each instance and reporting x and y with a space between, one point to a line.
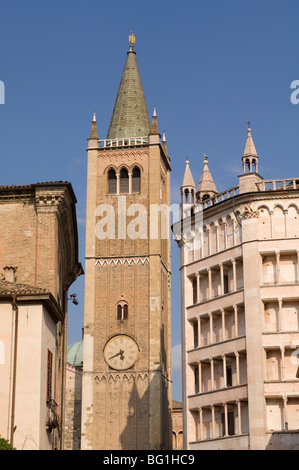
154 127
250 156
164 144
93 138
130 115
206 187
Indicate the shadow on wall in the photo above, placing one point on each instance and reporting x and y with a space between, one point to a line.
148 392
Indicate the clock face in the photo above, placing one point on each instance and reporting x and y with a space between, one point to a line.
121 352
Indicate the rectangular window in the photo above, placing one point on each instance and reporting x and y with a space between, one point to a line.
49 375
229 377
196 380
194 289
230 423
195 332
225 287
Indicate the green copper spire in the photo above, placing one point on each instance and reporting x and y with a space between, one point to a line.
130 116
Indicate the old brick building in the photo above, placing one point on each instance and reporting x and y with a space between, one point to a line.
126 369
39 261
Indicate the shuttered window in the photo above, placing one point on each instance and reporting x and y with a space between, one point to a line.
124 181
136 180
49 375
111 182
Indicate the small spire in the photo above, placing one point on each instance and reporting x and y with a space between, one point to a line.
250 157
94 132
206 187
164 144
188 181
154 127
249 150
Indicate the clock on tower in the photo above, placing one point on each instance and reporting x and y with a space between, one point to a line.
126 391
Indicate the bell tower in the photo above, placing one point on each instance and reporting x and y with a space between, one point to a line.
126 392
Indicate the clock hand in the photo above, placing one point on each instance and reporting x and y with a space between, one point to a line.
120 353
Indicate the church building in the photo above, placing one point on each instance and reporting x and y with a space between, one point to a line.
39 256
126 382
239 264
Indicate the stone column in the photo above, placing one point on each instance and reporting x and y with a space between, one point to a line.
213 421
224 371
237 368
277 253
212 374
282 362
239 417
130 183
211 328
223 324
236 321
221 279
200 436
225 235
234 275
271 223
210 282
285 413
217 237
209 241
198 287
225 419
117 183
285 213
280 319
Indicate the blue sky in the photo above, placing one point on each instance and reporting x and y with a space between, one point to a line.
208 66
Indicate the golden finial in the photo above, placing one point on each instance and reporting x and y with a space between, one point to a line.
132 39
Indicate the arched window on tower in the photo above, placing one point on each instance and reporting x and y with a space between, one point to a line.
122 311
124 181
112 182
136 180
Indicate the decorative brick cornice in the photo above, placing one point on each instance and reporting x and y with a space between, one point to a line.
122 261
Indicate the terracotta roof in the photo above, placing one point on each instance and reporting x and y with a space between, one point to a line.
7 288
12 186
176 404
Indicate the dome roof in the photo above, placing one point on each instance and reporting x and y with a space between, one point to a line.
74 353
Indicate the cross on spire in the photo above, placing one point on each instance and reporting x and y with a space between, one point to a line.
248 123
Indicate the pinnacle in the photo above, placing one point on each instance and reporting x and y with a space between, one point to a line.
249 147
206 184
188 180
